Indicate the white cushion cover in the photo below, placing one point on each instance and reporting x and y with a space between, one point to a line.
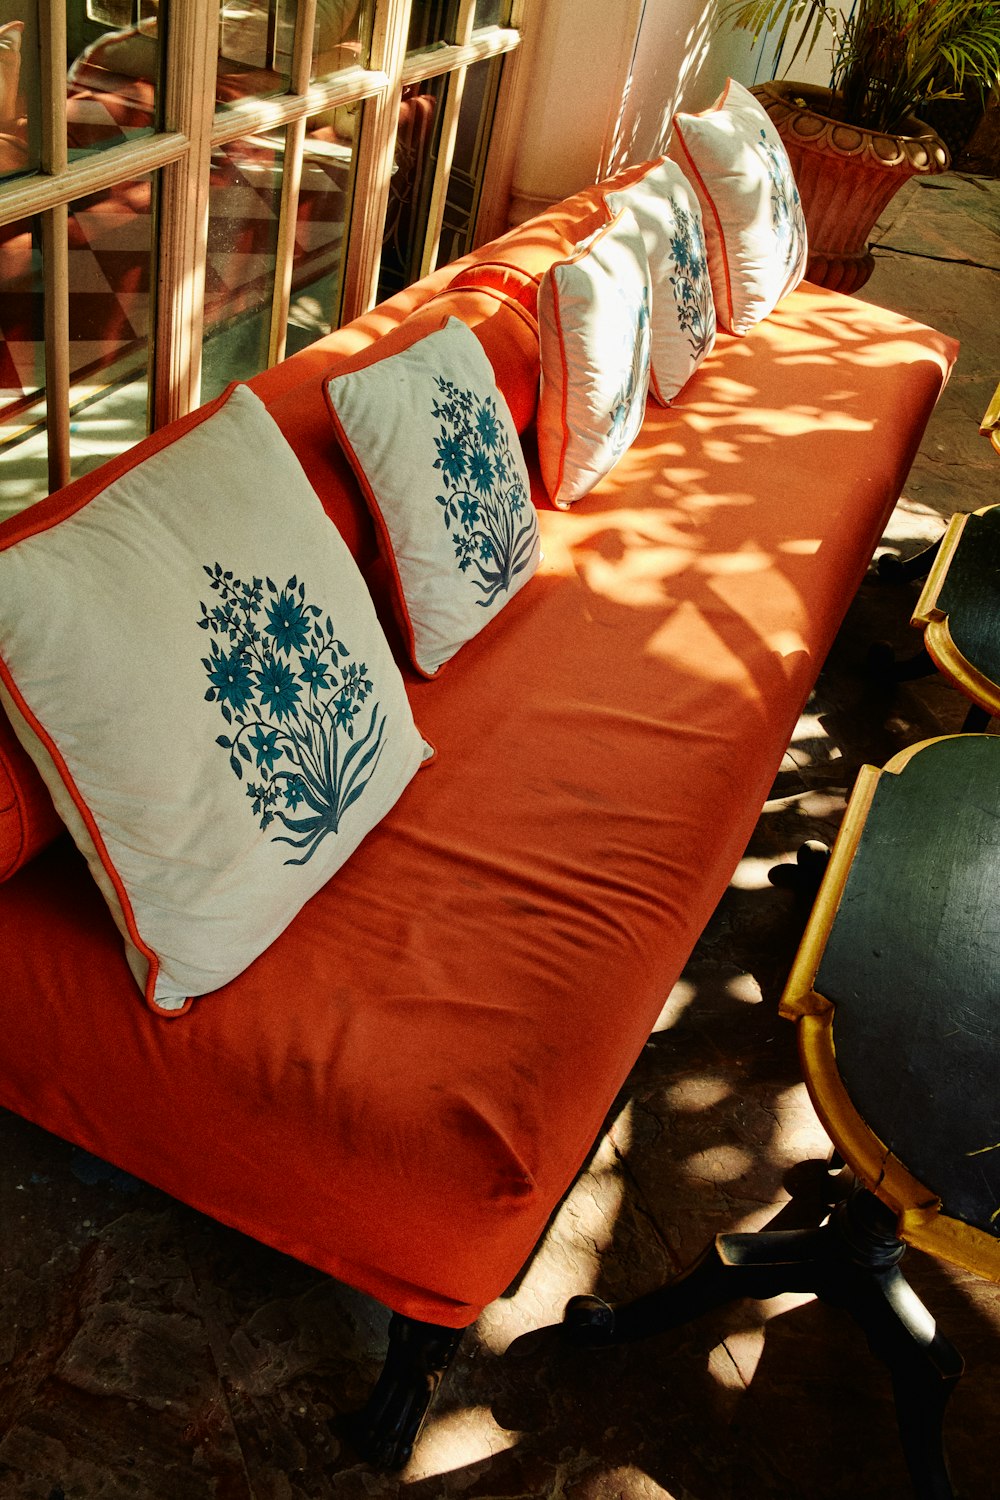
593 320
194 661
682 325
756 234
437 454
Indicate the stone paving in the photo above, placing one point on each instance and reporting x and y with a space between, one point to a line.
147 1352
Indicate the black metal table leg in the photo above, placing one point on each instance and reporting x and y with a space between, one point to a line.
884 666
893 569
850 1262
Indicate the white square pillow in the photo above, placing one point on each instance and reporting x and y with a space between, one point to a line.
439 461
193 660
737 164
593 323
682 324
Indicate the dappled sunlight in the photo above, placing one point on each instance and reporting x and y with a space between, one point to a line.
751 873
696 1092
457 1439
683 995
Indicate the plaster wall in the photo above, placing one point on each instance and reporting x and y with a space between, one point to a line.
603 79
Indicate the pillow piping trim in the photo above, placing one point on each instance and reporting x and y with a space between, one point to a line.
386 549
706 197
484 265
564 400
612 214
100 847
498 295
67 502
570 260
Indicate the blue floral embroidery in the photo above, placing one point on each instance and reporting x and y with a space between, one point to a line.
296 703
627 406
692 288
484 495
787 218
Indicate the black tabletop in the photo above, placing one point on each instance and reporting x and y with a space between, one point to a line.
912 965
970 593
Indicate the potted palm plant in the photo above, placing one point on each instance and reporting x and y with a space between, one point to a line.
854 144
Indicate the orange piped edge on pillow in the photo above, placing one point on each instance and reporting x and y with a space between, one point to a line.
385 547
95 835
583 249
514 281
706 197
62 504
42 517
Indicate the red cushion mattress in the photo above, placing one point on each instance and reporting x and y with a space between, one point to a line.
401 1088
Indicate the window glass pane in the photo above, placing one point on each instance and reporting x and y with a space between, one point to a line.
255 49
431 23
321 227
110 276
23 445
20 94
342 38
410 184
112 79
475 120
492 13
243 206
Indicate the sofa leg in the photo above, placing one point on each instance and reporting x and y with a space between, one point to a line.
385 1431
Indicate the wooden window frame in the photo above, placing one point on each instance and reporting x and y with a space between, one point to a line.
179 153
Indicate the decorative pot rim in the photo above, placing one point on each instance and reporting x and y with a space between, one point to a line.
919 146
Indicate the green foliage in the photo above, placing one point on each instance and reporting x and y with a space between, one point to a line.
888 57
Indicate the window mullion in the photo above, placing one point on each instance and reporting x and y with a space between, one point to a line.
55 241
437 60
375 151
466 21
305 23
442 170
494 197
52 29
291 179
55 265
189 107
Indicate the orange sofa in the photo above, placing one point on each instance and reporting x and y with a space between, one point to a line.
401 1088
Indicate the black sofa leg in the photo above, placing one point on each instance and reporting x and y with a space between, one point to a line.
385 1431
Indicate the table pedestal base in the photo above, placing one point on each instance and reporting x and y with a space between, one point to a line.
850 1262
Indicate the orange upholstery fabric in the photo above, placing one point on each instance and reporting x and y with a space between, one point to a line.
399 1090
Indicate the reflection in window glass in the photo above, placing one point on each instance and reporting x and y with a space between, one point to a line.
431 23
243 205
475 120
342 37
255 49
410 184
110 277
321 227
492 12
112 77
23 445
19 91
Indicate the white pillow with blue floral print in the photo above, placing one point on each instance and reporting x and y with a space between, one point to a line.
737 164
593 323
194 662
434 446
682 320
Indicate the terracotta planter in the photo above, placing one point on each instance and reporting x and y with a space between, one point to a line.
845 175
